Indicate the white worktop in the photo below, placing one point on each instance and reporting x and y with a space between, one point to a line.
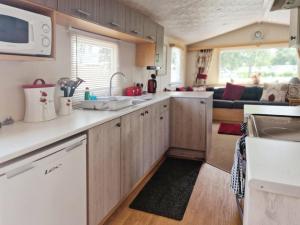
271 110
22 138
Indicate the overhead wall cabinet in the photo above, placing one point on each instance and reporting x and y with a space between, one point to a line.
105 17
112 14
294 39
134 22
48 3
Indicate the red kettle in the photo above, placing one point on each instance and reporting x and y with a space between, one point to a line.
152 84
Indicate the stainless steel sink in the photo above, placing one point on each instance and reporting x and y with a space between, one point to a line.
113 103
276 127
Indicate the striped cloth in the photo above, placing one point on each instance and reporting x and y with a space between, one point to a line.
238 171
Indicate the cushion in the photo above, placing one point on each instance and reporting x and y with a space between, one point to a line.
275 92
233 92
218 103
218 93
294 91
252 93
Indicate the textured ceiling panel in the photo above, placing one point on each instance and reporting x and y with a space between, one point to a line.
196 20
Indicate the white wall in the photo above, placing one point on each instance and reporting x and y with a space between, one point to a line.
15 74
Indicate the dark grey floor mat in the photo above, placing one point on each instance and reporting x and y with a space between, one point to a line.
168 192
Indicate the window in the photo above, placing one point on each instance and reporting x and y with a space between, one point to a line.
176 66
269 64
94 61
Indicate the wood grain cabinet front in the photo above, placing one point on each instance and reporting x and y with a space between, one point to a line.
84 9
132 150
104 170
112 14
188 123
159 47
48 3
149 29
134 22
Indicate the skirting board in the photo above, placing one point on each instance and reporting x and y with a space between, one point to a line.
186 154
230 115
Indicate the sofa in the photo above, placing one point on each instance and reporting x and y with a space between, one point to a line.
232 110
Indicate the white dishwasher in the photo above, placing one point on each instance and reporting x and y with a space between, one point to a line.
46 188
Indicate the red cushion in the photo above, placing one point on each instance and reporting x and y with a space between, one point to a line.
233 92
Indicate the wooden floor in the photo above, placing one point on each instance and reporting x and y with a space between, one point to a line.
222 150
211 203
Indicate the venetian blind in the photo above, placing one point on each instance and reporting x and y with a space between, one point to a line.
94 61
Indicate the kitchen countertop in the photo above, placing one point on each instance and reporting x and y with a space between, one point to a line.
271 110
22 138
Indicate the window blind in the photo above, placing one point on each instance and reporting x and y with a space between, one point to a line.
94 61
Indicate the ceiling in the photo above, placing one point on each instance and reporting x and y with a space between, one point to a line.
196 20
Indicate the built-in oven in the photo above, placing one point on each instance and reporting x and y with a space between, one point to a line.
24 32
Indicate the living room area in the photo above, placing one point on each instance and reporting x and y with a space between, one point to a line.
252 65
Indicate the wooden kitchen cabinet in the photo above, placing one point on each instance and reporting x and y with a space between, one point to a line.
104 170
48 3
132 168
294 39
150 29
163 128
112 14
150 138
134 22
149 54
159 47
84 9
188 124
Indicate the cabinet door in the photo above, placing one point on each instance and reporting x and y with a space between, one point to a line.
134 22
294 27
85 9
149 29
49 3
188 123
132 150
151 136
159 61
112 14
104 162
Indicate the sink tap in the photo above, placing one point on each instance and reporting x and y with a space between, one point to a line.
111 78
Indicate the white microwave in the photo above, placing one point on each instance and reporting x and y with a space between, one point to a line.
23 32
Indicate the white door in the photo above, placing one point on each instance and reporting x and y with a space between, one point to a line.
47 191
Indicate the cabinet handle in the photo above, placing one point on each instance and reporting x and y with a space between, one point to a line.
202 102
83 12
118 124
165 106
135 32
142 114
146 112
150 37
161 118
293 38
115 24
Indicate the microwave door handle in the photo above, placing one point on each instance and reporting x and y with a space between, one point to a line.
31 34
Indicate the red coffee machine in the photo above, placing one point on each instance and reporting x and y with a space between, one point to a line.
152 84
